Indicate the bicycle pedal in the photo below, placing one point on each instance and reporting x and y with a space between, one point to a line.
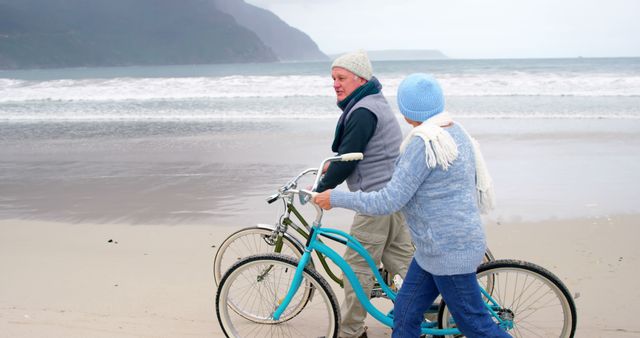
377 293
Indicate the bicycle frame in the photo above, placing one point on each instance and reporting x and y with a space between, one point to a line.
314 244
288 222
289 208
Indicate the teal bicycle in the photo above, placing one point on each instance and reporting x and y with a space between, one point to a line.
282 296
287 236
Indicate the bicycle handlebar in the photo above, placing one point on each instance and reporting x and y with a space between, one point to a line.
340 158
290 187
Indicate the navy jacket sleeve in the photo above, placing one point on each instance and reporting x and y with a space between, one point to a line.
357 132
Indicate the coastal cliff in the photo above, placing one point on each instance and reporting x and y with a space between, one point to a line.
87 33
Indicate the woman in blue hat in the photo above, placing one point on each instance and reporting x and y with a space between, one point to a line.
441 185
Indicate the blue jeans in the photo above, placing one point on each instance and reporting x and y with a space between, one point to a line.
460 292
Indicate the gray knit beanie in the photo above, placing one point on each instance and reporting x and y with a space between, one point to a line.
356 62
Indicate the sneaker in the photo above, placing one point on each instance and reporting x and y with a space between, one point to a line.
363 335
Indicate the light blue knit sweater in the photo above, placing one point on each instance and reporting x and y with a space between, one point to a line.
440 207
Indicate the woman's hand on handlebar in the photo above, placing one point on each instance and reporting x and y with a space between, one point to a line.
323 199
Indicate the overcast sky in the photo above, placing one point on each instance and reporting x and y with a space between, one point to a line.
469 28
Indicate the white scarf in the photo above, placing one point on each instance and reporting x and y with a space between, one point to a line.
441 149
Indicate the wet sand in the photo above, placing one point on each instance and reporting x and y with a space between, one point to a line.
210 172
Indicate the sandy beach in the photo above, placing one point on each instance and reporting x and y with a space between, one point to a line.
97 280
114 235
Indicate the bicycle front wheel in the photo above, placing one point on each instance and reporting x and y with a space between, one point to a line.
259 284
247 242
533 299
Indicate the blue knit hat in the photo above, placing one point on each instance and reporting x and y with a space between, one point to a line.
420 97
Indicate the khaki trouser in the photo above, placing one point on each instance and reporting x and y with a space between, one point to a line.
387 239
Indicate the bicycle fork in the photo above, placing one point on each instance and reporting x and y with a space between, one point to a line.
295 285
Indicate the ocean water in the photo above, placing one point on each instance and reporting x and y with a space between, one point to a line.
205 144
548 88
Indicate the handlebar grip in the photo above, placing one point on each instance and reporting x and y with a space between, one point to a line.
351 157
272 198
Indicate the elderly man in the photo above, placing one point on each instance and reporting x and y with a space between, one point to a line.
367 125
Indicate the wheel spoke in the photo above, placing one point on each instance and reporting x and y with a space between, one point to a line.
305 316
540 304
247 242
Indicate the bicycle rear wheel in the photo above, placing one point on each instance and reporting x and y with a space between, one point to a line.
536 301
259 284
247 242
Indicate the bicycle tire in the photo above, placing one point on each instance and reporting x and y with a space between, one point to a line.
249 241
547 309
264 293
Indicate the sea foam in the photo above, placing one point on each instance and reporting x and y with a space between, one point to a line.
141 89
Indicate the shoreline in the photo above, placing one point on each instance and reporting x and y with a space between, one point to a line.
207 173
102 280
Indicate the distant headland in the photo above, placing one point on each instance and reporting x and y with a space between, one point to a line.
80 33
402 54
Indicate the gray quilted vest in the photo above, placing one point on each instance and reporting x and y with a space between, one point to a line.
376 169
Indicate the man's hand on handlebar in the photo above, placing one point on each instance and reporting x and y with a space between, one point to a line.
323 199
326 167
